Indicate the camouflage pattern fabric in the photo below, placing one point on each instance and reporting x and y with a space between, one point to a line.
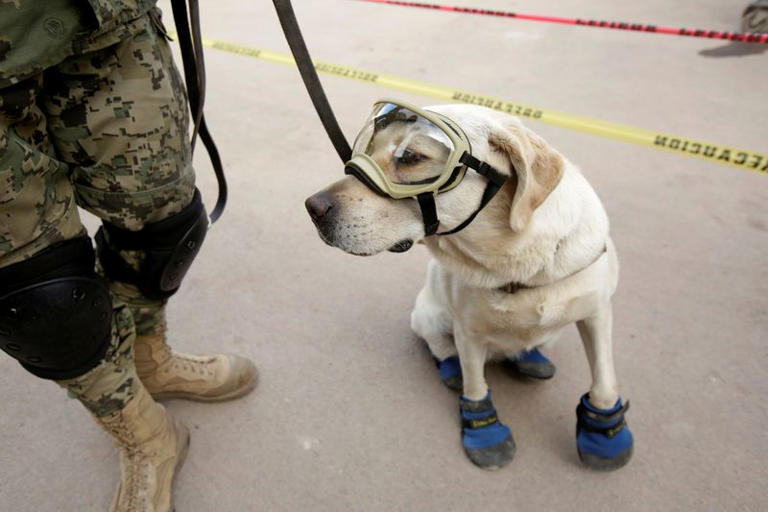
37 34
108 387
110 14
37 204
118 116
148 314
107 130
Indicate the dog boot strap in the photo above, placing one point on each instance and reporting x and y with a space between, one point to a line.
480 424
601 421
603 438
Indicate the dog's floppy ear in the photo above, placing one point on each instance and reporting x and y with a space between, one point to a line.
539 168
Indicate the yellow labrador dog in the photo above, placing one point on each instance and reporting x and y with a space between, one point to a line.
535 259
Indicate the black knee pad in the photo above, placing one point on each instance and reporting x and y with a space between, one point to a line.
169 247
55 311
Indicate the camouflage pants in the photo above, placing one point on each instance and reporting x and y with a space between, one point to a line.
105 130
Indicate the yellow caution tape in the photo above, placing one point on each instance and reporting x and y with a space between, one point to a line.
711 152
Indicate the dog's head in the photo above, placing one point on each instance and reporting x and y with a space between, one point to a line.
350 216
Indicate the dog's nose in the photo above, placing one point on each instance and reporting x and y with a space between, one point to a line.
318 205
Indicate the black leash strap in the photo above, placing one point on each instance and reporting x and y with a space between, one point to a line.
191 44
315 89
311 80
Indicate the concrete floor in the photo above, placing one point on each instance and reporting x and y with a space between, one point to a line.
350 414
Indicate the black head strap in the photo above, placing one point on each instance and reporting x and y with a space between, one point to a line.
495 181
428 212
427 200
484 169
490 190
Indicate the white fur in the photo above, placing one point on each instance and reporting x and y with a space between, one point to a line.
555 254
561 249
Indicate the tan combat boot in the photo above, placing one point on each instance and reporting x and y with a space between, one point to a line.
205 378
152 448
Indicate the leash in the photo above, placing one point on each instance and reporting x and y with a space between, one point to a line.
315 89
191 44
745 37
309 75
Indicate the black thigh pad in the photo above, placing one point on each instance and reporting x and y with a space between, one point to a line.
55 311
169 246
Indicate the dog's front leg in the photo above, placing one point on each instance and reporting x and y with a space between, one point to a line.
431 322
596 335
472 355
603 439
487 442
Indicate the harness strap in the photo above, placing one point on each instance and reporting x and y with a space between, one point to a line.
514 287
311 81
191 44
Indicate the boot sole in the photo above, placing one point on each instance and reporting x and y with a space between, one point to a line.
596 463
495 457
181 456
181 395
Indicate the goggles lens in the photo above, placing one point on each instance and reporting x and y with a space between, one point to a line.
407 147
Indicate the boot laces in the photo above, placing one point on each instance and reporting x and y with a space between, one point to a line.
193 364
136 475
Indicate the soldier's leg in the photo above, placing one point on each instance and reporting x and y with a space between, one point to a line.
120 117
57 316
45 254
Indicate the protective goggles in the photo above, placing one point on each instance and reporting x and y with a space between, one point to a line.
404 151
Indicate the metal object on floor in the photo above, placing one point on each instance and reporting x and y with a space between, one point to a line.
755 18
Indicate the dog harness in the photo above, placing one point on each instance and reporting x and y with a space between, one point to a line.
514 287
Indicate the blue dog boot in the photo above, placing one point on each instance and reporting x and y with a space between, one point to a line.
532 363
603 438
487 442
450 372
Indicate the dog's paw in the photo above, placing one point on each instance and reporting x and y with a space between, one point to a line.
450 372
603 438
531 363
487 442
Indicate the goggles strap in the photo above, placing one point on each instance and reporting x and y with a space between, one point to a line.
428 212
490 190
483 169
495 181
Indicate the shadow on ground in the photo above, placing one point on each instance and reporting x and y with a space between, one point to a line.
735 49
